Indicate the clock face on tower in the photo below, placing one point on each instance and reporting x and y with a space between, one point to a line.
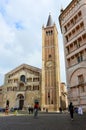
49 64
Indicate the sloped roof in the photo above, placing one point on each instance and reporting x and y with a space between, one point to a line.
25 66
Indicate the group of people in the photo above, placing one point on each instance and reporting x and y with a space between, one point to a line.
36 108
71 110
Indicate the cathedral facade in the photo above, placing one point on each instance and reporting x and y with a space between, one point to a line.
22 87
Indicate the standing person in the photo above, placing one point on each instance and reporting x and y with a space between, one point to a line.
6 110
60 109
80 111
29 108
36 108
71 110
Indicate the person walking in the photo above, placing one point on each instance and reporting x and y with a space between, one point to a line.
36 108
71 110
80 111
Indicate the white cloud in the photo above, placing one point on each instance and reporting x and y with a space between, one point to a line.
21 32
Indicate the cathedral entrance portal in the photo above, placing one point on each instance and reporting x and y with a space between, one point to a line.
21 103
20 98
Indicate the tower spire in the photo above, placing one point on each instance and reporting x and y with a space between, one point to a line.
50 21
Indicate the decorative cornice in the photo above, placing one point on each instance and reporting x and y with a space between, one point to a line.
26 66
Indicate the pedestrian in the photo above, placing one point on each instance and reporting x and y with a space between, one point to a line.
6 110
71 110
36 108
80 111
29 108
60 109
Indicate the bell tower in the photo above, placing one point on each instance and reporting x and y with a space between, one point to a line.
50 92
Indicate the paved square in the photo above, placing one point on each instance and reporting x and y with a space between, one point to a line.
44 122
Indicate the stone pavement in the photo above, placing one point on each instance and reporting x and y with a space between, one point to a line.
43 122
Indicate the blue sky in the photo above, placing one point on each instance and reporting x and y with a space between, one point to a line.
21 32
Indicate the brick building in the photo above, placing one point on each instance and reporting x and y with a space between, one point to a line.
51 92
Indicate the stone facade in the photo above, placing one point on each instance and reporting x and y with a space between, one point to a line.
1 95
22 87
64 100
73 27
